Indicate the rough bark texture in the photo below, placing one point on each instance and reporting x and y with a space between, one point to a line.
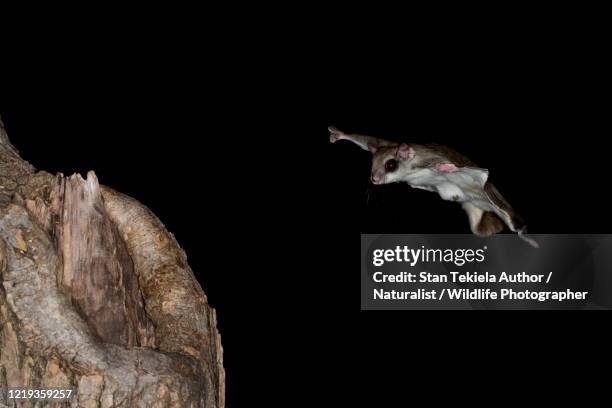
96 295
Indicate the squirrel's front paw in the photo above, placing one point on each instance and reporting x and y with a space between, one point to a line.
446 167
334 134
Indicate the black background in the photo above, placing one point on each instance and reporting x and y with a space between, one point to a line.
228 145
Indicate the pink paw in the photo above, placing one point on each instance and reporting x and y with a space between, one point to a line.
446 167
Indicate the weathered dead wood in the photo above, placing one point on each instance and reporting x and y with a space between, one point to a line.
88 275
98 272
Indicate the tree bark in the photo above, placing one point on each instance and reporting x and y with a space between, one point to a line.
97 296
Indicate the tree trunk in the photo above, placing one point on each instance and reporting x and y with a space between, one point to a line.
97 296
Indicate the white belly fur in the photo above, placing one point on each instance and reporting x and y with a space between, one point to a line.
451 192
464 185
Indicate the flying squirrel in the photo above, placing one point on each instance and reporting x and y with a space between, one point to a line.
440 169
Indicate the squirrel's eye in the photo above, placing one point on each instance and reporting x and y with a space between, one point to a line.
391 165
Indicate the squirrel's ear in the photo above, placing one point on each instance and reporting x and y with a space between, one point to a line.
373 147
405 151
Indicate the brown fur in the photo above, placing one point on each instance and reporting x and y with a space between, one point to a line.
489 224
454 156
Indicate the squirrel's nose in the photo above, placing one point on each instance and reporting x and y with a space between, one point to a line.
376 178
